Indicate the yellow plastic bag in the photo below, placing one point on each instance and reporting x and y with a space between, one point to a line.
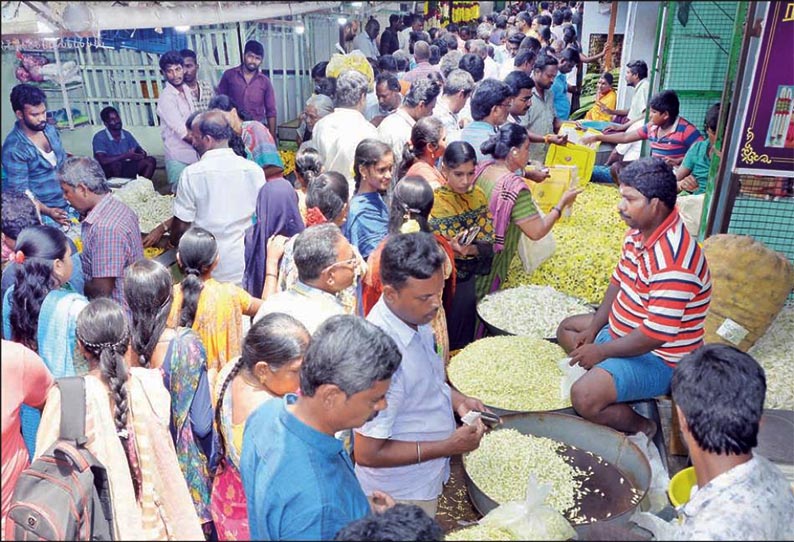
573 155
547 194
353 61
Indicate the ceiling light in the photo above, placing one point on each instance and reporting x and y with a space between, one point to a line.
356 4
182 28
342 20
300 29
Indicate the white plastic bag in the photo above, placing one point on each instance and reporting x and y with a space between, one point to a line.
660 479
531 519
570 374
534 253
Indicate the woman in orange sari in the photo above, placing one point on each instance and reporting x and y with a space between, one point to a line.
606 99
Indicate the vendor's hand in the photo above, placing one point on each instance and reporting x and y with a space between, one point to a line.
578 125
470 403
589 139
559 139
569 197
587 355
154 236
58 215
688 183
604 109
465 438
380 501
537 175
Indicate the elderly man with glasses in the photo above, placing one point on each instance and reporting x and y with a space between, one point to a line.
327 264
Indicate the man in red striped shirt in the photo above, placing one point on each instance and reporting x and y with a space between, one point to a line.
653 310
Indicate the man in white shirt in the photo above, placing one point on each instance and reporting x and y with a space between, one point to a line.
326 265
457 87
405 450
395 130
637 77
365 41
480 48
413 23
337 135
218 193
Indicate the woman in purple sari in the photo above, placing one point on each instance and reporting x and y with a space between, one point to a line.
277 213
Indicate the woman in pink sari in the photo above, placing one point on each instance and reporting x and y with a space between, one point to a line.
268 368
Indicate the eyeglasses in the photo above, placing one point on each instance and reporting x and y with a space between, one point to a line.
352 262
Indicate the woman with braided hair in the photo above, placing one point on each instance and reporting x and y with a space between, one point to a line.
127 429
40 309
212 309
179 355
428 143
268 368
409 211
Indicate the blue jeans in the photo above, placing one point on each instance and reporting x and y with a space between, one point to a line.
637 377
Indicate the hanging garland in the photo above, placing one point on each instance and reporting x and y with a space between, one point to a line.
443 12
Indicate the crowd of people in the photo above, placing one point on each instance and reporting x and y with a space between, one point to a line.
290 383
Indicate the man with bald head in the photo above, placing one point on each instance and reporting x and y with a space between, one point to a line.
218 193
480 48
423 65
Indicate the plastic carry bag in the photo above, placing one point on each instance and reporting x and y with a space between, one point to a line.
660 479
570 374
534 253
531 519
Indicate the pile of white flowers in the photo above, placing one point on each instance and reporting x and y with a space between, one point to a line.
531 311
513 373
775 352
505 458
150 206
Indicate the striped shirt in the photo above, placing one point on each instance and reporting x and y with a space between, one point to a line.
676 143
111 242
665 289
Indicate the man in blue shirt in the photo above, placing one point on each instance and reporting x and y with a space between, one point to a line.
490 104
569 59
299 481
33 152
405 450
117 150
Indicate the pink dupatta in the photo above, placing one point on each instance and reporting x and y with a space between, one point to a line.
501 201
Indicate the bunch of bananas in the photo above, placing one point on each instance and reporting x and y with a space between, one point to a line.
588 248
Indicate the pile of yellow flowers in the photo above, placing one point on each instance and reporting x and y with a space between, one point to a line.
588 248
288 157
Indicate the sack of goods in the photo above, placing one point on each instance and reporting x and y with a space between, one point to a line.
750 284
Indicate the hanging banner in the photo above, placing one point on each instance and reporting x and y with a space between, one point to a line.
767 136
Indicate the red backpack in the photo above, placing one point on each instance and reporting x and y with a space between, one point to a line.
64 494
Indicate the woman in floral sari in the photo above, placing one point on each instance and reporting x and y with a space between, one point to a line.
510 202
268 368
212 309
127 428
180 356
49 309
460 214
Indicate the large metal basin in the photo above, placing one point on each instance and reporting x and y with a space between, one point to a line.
623 460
